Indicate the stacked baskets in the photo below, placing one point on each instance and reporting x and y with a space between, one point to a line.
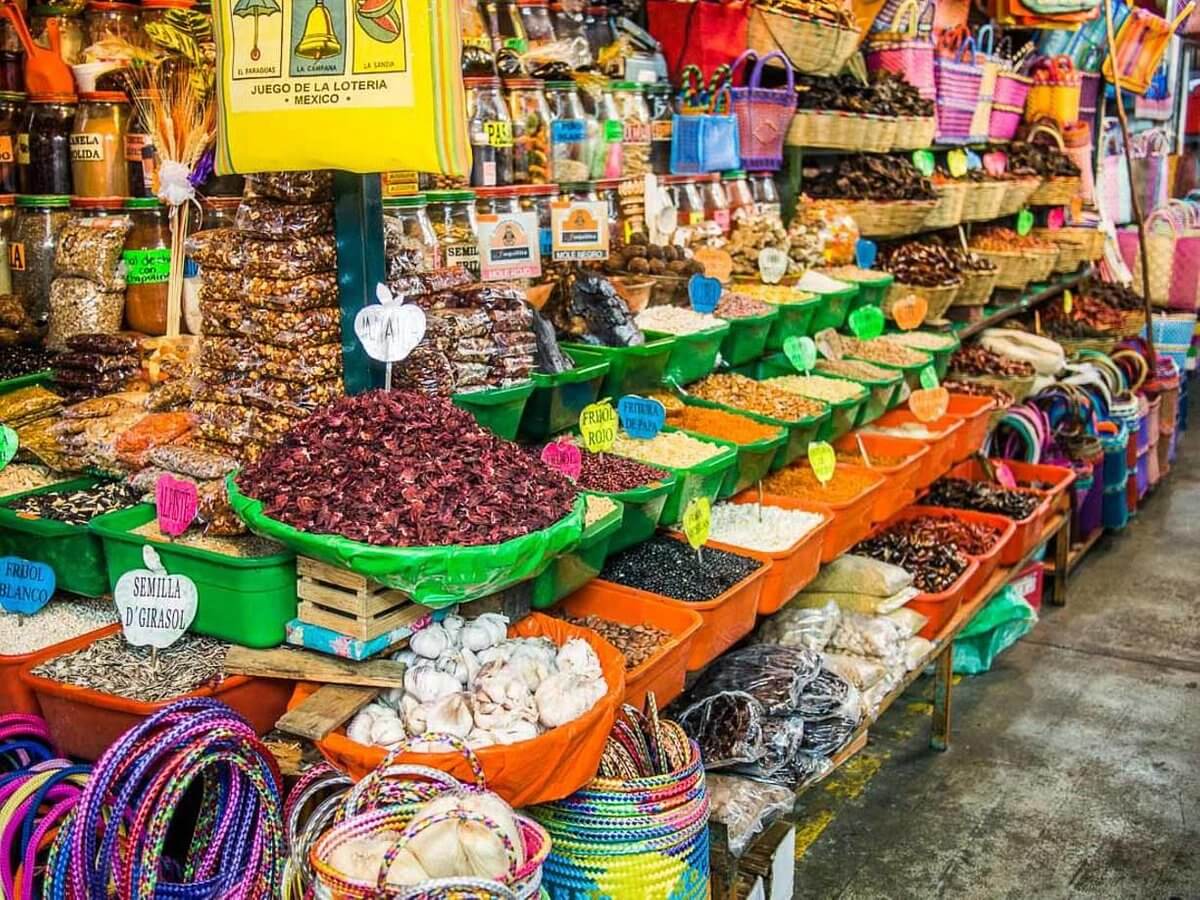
1076 246
812 46
938 298
1016 269
983 200
888 218
952 194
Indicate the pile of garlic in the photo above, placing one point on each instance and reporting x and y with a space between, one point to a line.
470 680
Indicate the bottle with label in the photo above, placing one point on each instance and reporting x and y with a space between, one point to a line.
8 210
452 214
140 156
477 56
12 59
12 105
716 203
607 158
536 20
739 194
98 165
510 30
147 259
662 127
687 198
44 145
536 198
531 130
766 195
572 132
630 100
491 133
599 29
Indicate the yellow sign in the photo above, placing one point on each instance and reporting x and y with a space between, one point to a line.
598 426
823 460
697 521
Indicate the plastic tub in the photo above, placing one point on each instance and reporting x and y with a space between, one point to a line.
575 568
557 400
801 432
15 695
497 409
911 373
641 511
243 600
630 369
941 447
664 673
891 495
84 723
880 395
705 479
791 569
941 608
843 416
727 618
836 307
693 355
747 338
11 384
976 413
905 476
795 320
1053 480
768 367
871 291
1028 533
753 460
75 554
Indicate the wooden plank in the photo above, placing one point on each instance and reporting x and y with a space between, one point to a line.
363 629
363 604
320 571
306 665
330 707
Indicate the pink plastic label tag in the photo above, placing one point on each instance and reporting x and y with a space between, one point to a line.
177 502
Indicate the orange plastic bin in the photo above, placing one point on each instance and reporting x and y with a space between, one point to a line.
940 608
15 695
905 477
664 673
1054 480
976 415
988 562
942 444
791 569
84 723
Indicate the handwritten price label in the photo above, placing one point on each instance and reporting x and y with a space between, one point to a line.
25 586
823 459
697 521
641 417
704 293
176 502
866 323
155 608
598 426
929 405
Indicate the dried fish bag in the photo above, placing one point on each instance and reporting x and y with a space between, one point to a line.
80 306
91 249
309 186
275 221
228 248
192 462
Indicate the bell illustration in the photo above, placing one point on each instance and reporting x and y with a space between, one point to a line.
319 40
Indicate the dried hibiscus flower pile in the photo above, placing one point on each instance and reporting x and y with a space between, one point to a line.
405 469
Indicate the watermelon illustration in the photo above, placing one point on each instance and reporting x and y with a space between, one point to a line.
378 19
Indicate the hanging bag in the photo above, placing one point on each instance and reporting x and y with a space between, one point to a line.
985 41
1055 92
958 83
1115 191
903 48
702 33
1140 46
763 114
1150 149
1184 294
705 133
1008 97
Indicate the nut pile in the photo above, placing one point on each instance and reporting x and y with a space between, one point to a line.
884 351
868 177
1039 159
637 643
16 478
922 264
63 618
978 360
675 320
750 236
934 567
959 493
831 390
740 306
671 568
77 507
756 397
921 340
1115 295
674 449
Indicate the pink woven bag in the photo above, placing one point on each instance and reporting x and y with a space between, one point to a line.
958 86
904 47
1184 294
763 114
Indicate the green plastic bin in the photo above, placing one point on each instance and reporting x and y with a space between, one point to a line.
941 358
9 385
912 373
843 415
795 319
72 551
572 570
767 367
880 395
753 460
630 369
557 400
747 338
836 307
871 291
641 511
705 479
694 355
244 600
497 409
801 432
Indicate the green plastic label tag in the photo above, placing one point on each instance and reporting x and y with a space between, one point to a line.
1024 222
801 353
929 379
923 160
866 323
823 460
8 445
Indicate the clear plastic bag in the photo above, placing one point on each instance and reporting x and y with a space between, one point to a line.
192 462
775 676
826 695
850 574
274 221
908 620
310 186
80 306
873 636
826 737
867 604
728 728
799 627
806 767
106 344
745 807
97 362
91 249
228 248
782 736
303 364
273 394
861 672
915 651
281 328
238 425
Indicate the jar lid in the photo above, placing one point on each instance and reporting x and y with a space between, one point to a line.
51 98
677 179
142 203
97 202
104 97
502 190
221 202
412 201
478 81
8 199
12 96
56 201
575 187
537 190
168 4
561 86
44 10
734 174
624 86
522 84
449 196
111 6
545 3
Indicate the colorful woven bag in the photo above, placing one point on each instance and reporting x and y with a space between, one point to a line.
763 114
705 135
903 47
958 85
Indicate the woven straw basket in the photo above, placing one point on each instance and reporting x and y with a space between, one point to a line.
983 200
938 298
1074 246
880 133
1059 190
1015 269
948 212
817 48
831 130
914 133
976 289
888 218
1017 194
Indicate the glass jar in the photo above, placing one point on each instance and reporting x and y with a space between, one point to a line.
689 202
536 198
105 20
478 60
140 156
491 132
38 221
539 27
223 185
572 27
452 214
572 132
44 146
609 190
12 59
716 203
599 29
12 105
98 164
147 259
607 150
662 127
419 243
219 212
510 29
8 212
70 32
766 195
497 201
630 100
739 194
531 130
97 207
154 12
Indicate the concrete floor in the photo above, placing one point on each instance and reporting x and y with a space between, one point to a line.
1075 764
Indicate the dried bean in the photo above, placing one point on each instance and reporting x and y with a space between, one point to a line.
981 496
609 474
637 643
77 507
671 568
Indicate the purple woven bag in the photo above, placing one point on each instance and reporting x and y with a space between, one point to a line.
763 114
958 85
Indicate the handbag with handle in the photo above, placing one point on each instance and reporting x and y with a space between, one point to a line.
1140 46
902 46
705 136
1115 189
958 84
702 33
763 114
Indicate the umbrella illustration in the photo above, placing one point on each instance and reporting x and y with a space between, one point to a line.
256 8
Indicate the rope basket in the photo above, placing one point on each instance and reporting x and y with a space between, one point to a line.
1134 323
983 199
1015 269
938 298
827 130
948 212
914 132
888 218
1017 194
1058 190
976 288
880 133
1072 346
817 48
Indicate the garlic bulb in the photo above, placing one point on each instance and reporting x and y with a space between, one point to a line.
502 652
516 731
501 697
361 858
428 684
449 715
486 631
387 731
578 657
565 696
430 642
359 729
405 656
393 697
453 626
534 660
467 847
462 664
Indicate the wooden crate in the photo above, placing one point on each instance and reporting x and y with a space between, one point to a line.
349 603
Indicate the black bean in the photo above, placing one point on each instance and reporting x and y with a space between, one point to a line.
669 567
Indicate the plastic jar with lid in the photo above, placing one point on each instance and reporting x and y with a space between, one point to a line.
12 107
12 58
687 197
739 193
140 156
599 29
418 249
530 130
147 259
38 221
662 127
572 133
539 26
510 29
44 145
491 132
766 195
716 202
70 32
478 60
97 207
106 19
607 157
98 164
153 13
536 198
630 100
452 214
609 190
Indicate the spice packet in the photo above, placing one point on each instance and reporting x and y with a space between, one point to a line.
91 249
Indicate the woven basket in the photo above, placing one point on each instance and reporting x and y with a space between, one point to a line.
948 211
1017 193
983 199
888 218
976 288
880 133
914 132
1015 269
1073 346
1057 191
814 47
1074 245
827 130
938 298
1134 323
1019 388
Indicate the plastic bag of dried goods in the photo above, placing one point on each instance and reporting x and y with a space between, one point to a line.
909 620
727 726
829 694
809 628
862 635
850 574
775 676
745 807
861 672
827 736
